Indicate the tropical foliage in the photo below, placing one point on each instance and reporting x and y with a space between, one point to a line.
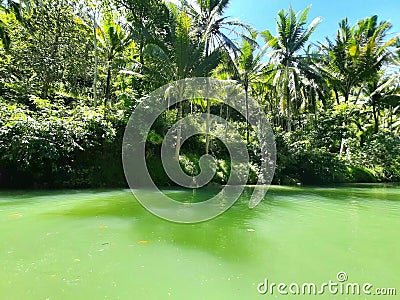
72 71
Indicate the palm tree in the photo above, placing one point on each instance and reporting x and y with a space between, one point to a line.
247 69
382 92
186 59
357 54
292 36
149 22
211 28
114 40
356 57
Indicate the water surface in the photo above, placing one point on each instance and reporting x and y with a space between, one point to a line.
104 245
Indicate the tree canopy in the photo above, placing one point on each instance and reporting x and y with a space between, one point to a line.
72 71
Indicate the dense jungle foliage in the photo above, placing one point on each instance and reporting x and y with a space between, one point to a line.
72 72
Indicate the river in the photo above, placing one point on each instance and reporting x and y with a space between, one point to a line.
101 244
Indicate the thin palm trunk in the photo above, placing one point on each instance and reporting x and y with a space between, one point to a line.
48 76
208 127
376 118
95 60
287 99
246 90
108 82
179 117
179 132
336 96
288 110
343 142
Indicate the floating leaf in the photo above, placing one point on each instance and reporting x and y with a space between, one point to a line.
15 215
143 242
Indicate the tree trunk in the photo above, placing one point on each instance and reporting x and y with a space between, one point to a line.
179 133
208 127
95 59
336 96
181 93
108 83
346 97
227 120
342 146
246 89
358 96
49 75
141 50
376 118
46 85
343 142
288 110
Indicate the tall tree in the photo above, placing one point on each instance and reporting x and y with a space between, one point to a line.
291 37
382 92
114 40
149 22
211 28
356 57
247 69
187 58
50 50
357 54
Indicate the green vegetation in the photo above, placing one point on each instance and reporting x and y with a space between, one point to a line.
71 72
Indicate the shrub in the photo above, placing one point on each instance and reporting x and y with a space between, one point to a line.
43 144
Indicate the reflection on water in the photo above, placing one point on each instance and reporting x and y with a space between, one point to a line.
103 244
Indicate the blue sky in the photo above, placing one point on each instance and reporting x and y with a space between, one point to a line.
261 14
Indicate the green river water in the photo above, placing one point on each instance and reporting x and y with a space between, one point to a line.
102 244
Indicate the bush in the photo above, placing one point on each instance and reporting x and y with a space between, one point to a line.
380 154
299 161
50 145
